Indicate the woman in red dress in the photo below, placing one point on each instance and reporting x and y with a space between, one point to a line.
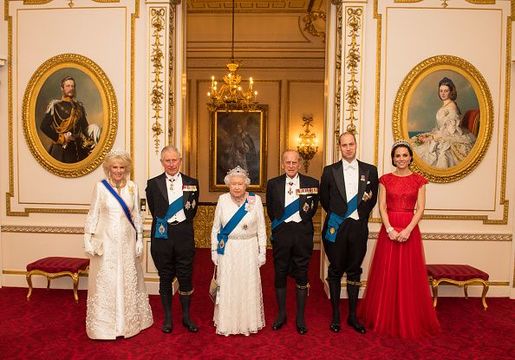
397 299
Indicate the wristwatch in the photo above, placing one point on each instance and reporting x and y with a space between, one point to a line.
389 229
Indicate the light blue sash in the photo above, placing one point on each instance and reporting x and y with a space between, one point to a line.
120 200
161 229
334 222
289 210
225 231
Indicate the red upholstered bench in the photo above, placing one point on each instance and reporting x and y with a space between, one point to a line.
460 275
54 267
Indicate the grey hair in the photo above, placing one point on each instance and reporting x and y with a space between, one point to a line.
237 171
171 148
121 155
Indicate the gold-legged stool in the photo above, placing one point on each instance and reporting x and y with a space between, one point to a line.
55 267
459 275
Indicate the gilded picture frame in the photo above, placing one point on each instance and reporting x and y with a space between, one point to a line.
50 118
444 109
238 138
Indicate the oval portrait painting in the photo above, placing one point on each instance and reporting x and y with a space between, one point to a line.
444 109
70 115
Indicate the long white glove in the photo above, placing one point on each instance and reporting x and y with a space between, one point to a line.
262 258
139 244
214 257
88 247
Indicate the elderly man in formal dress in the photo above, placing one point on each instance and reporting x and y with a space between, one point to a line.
292 201
173 201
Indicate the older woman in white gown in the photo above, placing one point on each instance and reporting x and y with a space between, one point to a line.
117 302
448 143
238 247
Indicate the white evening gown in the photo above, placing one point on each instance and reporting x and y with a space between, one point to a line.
450 143
117 302
239 308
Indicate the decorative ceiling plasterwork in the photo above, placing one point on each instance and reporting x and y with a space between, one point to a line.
224 6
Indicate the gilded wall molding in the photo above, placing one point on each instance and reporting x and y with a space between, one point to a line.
157 20
458 237
42 229
338 74
482 2
502 198
134 16
203 223
353 22
379 36
35 2
171 70
9 195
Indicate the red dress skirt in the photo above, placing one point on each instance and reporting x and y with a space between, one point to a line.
397 298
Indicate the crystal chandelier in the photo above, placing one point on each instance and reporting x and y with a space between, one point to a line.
230 95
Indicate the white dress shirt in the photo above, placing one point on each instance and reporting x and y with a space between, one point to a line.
174 190
290 195
351 177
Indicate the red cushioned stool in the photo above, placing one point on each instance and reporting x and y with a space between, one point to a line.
54 267
459 275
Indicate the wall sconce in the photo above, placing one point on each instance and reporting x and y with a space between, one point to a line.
307 143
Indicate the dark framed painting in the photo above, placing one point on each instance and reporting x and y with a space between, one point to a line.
444 109
238 138
70 115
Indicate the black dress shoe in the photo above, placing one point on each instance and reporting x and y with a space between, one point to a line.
334 327
167 328
356 326
190 326
278 324
302 329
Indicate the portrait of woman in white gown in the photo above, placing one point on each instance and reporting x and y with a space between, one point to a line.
238 248
117 302
449 142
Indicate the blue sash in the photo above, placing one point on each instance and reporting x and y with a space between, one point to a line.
289 210
161 229
335 220
223 235
120 200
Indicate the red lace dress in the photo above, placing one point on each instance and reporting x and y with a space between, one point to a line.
397 298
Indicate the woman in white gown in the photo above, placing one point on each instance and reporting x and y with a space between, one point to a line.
448 143
117 302
239 254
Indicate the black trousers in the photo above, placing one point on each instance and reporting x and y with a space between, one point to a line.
292 246
346 254
173 257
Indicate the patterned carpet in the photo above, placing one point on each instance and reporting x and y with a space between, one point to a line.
51 326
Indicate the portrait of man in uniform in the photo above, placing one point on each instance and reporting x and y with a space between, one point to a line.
65 124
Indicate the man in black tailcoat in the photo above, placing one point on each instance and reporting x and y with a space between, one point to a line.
173 245
348 193
291 202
